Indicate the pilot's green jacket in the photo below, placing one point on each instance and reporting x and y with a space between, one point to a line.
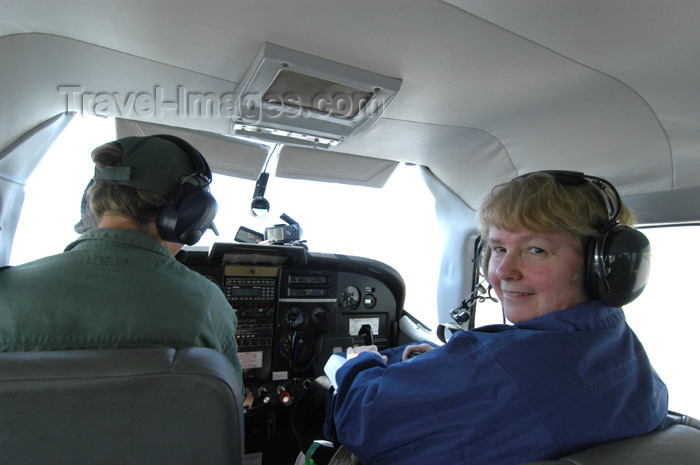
113 288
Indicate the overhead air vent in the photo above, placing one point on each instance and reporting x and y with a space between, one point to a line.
299 99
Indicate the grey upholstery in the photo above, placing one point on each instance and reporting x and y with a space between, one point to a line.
125 406
678 444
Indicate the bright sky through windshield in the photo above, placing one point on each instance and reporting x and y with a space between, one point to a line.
395 224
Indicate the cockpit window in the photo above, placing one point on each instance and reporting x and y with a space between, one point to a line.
54 190
395 224
665 316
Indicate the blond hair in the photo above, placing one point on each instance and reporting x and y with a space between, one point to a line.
541 203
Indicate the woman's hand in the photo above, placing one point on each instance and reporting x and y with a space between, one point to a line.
352 352
415 349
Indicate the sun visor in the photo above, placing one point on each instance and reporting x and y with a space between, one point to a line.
343 168
225 155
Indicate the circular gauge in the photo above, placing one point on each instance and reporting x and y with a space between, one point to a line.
286 345
350 297
302 352
295 317
319 314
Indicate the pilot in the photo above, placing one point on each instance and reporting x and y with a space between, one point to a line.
568 373
119 285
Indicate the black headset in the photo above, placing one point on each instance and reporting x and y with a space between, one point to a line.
189 210
617 261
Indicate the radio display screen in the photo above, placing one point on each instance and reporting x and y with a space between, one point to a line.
245 291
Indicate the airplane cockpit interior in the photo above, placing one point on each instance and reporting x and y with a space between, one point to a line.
351 146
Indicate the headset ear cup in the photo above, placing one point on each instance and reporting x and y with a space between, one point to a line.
191 208
591 270
618 265
188 212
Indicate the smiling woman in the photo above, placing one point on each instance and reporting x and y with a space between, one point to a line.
534 274
600 385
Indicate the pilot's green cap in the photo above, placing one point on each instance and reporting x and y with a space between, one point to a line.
148 163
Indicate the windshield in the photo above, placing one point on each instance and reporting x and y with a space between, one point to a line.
395 224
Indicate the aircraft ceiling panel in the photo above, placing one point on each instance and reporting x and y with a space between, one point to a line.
605 86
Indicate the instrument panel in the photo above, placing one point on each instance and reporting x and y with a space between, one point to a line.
295 308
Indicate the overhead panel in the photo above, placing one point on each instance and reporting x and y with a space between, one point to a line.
299 99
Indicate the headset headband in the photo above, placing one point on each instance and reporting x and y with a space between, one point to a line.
611 197
617 259
202 172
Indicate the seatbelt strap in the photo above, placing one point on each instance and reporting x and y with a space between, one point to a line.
452 327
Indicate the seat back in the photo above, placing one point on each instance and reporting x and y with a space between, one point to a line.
677 444
123 406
